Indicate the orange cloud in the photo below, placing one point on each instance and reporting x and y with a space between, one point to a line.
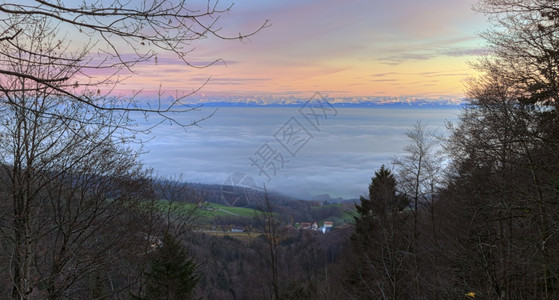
337 46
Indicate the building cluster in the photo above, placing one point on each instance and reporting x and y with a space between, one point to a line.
326 226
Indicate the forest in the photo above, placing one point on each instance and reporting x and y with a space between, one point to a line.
470 214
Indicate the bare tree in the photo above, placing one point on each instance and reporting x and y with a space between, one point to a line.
66 171
113 37
274 233
504 151
503 162
419 169
523 47
66 176
419 172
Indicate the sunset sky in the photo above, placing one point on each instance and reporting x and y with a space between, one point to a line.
359 48
339 48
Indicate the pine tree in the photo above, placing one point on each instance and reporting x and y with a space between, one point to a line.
382 196
173 274
380 243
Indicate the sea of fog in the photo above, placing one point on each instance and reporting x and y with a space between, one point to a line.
285 149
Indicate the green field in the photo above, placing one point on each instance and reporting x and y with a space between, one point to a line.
210 210
222 210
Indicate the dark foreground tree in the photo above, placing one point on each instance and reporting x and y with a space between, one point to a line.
378 266
382 196
501 203
69 187
523 43
75 202
173 273
64 181
504 188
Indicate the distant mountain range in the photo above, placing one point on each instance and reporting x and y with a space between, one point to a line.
291 101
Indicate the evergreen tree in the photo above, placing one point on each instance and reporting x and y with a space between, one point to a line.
382 196
380 243
173 274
